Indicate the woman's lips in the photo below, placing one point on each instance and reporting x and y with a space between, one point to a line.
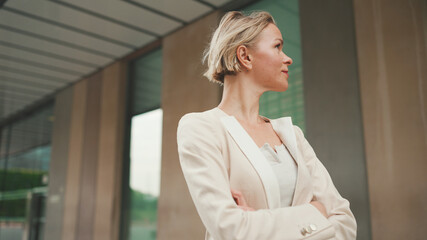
285 72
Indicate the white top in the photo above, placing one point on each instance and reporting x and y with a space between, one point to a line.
285 170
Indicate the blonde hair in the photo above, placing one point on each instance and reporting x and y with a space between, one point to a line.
234 29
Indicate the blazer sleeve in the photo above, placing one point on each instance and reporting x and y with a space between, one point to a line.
337 207
207 178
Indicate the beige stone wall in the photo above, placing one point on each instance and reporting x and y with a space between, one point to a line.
184 90
58 165
391 44
86 164
85 181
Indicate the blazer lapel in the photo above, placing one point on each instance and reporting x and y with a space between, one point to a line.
256 158
285 129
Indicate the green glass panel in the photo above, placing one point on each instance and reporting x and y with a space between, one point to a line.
25 151
145 165
290 102
146 82
145 148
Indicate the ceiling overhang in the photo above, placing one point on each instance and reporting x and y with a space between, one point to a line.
47 45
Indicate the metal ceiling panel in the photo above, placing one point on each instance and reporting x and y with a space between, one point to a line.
9 89
186 10
60 34
126 13
36 43
30 92
33 75
8 75
217 3
10 94
24 86
46 45
79 21
12 103
64 77
13 98
49 61
37 64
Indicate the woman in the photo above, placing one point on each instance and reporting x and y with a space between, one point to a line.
242 187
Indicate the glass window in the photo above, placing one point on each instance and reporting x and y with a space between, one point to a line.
146 82
145 147
24 166
290 102
146 142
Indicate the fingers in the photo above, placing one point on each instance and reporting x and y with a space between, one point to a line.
240 200
238 197
246 208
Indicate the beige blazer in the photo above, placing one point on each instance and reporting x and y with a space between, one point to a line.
217 154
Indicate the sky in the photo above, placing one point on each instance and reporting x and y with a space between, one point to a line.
146 147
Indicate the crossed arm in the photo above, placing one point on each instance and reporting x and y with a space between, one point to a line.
207 180
242 204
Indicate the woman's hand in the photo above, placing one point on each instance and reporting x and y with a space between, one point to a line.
240 200
320 207
241 203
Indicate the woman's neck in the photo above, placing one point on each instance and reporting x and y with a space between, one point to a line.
240 98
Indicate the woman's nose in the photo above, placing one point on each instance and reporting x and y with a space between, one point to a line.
287 60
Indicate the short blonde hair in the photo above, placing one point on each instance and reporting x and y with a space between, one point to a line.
234 29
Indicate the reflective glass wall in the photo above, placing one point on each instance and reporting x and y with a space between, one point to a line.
24 167
143 182
144 179
290 102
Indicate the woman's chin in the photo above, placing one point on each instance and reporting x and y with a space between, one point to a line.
278 86
284 89
281 88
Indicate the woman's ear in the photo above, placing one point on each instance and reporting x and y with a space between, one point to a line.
243 56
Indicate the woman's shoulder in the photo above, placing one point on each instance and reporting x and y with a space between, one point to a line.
211 116
199 126
206 121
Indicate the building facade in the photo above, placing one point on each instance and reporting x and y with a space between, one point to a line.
358 90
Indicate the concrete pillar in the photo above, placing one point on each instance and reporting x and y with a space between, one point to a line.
184 90
87 156
58 165
332 101
392 59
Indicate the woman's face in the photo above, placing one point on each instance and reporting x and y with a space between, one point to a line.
270 64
